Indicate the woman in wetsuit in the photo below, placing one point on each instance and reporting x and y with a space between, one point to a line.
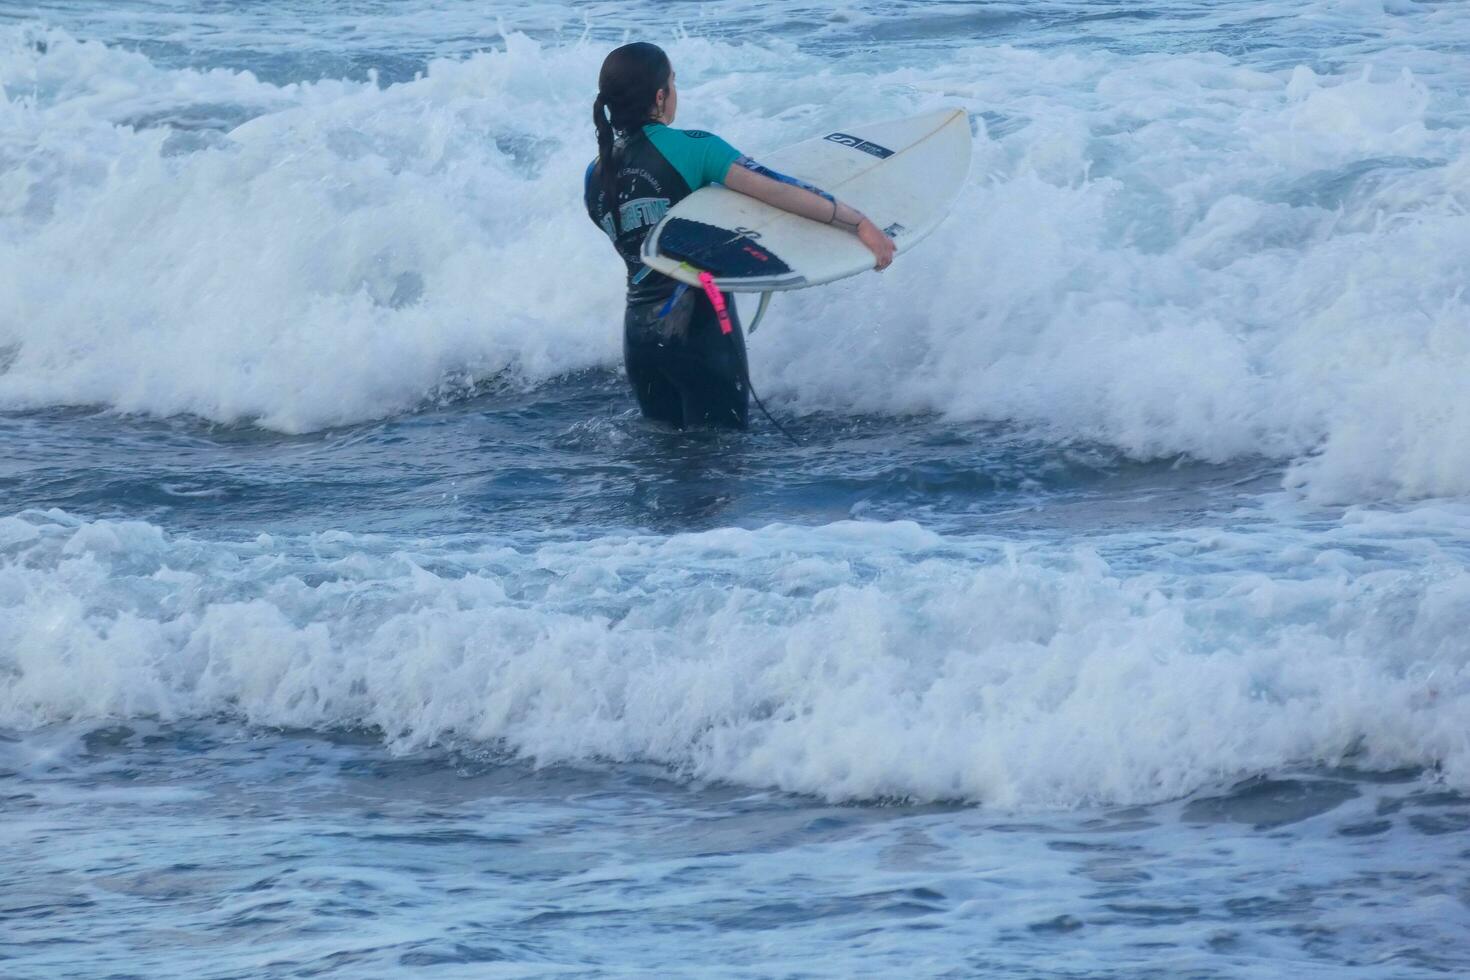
683 369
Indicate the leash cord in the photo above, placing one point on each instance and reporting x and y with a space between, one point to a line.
761 405
717 300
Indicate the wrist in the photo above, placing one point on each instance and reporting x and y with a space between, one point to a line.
847 218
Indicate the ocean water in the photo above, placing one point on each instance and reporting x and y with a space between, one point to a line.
1111 619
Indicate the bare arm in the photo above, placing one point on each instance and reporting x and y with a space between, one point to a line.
800 201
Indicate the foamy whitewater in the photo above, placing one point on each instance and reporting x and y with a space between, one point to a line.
1112 619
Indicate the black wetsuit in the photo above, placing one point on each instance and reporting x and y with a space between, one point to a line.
683 370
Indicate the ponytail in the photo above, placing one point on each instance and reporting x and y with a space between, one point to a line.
627 92
609 171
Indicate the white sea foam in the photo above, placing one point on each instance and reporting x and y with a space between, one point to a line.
850 661
1166 253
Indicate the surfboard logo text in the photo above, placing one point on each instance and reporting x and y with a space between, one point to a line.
857 143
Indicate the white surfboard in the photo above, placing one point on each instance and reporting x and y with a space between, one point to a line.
903 174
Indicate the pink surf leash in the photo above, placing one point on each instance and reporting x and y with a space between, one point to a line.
716 300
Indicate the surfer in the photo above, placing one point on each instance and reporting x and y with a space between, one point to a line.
684 369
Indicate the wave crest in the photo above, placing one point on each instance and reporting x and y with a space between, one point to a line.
1166 253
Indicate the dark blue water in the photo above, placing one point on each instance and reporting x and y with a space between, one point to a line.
303 855
572 455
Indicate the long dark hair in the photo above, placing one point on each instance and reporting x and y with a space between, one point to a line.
627 90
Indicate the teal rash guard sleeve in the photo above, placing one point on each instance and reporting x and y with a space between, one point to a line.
701 158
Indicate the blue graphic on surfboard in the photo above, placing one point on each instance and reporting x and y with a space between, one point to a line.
904 174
